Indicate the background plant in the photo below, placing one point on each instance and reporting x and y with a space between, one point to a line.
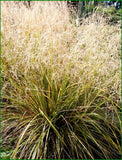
111 14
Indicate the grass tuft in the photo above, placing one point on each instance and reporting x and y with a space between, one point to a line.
60 84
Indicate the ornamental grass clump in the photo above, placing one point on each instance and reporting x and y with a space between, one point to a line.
49 119
60 98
